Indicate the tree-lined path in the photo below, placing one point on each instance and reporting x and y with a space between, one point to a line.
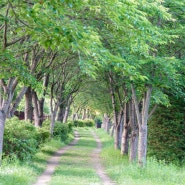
77 163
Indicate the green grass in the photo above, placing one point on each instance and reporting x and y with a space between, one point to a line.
76 164
156 173
16 173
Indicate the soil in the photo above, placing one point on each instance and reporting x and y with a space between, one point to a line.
53 162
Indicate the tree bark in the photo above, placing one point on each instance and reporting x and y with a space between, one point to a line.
134 134
61 113
66 115
37 120
121 122
17 101
125 133
142 119
116 124
53 117
2 126
28 111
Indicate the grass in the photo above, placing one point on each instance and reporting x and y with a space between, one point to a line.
76 164
15 172
118 168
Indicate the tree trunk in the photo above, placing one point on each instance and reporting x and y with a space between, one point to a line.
52 123
116 137
84 114
37 120
115 112
53 118
16 103
121 122
2 126
125 133
142 119
28 105
134 134
106 123
41 110
61 113
66 114
142 146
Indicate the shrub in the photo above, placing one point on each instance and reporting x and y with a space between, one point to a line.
43 135
79 123
70 125
20 139
84 123
61 130
89 123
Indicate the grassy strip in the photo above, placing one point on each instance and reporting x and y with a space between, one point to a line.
25 173
76 165
156 173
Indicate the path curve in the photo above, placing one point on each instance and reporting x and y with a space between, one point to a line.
97 162
53 162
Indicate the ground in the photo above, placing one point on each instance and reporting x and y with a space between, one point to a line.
79 163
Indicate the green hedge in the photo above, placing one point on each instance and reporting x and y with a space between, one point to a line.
84 123
166 139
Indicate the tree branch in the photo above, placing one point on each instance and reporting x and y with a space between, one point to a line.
5 28
152 111
14 41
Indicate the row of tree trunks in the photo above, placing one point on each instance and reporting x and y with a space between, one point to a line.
131 125
106 124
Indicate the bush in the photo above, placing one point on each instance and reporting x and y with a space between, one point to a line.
20 139
84 123
61 130
166 139
70 125
89 123
43 135
79 123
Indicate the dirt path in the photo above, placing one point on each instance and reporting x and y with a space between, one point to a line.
53 162
97 163
94 159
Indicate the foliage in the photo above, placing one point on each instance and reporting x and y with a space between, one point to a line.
61 130
84 123
166 132
20 139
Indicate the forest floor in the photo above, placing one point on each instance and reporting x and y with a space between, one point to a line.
79 163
